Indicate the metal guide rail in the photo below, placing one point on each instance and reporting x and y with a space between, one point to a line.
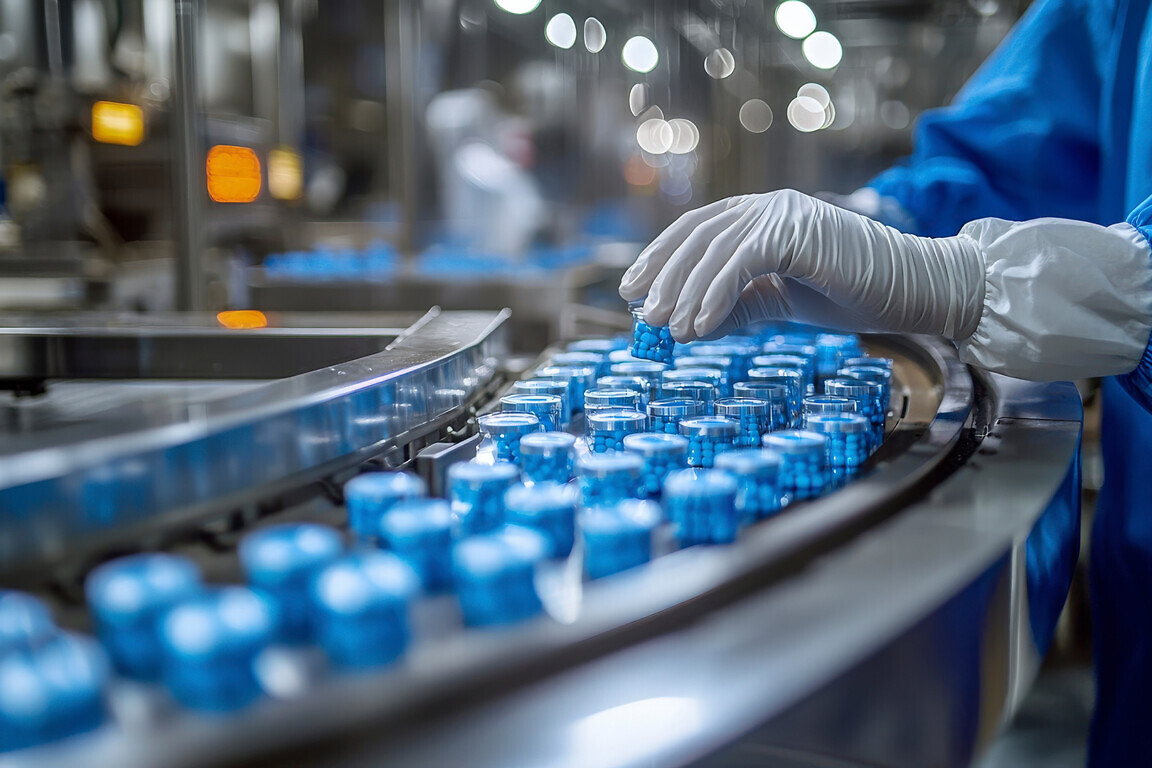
513 696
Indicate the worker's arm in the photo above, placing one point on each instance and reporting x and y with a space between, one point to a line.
1021 139
1139 381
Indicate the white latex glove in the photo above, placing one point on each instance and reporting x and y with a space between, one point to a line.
1046 299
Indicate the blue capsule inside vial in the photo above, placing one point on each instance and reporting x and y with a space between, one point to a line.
607 428
547 457
869 397
665 415
710 375
753 414
51 691
360 608
210 644
370 495
504 430
476 492
757 473
645 385
549 508
709 436
548 387
846 437
806 365
26 622
661 453
618 536
803 466
819 404
579 379
282 560
127 596
605 478
495 575
832 349
778 397
701 505
598 360
601 398
650 342
790 378
548 409
419 531
876 374
729 369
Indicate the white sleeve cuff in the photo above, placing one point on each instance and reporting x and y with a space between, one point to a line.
1063 299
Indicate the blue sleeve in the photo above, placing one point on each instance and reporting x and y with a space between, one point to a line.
1022 138
1138 383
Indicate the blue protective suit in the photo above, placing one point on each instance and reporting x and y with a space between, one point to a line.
1058 122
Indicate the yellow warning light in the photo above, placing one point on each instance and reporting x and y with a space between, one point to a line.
115 123
285 174
239 319
233 174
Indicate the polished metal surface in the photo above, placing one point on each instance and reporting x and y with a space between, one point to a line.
82 487
186 158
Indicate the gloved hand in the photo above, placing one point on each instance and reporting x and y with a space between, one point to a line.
1046 299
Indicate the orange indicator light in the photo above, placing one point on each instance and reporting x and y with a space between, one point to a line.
114 123
239 319
233 174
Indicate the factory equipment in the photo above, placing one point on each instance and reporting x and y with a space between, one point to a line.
896 621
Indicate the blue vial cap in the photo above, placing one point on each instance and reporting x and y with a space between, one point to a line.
127 597
25 621
549 508
655 444
710 426
360 605
608 464
495 576
735 407
51 692
617 418
618 536
370 495
837 423
608 398
795 442
509 423
420 532
529 403
748 462
675 406
210 643
282 560
699 483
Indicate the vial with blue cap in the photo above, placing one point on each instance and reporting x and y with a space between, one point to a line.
419 531
618 536
601 398
753 415
724 365
548 387
51 691
661 453
370 495
579 379
209 646
701 505
477 495
548 409
281 561
869 397
665 415
608 478
711 375
547 457
738 352
847 443
757 474
877 374
788 377
702 392
127 596
650 342
548 508
646 369
25 621
504 430
803 467
709 436
360 608
495 575
608 428
645 385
